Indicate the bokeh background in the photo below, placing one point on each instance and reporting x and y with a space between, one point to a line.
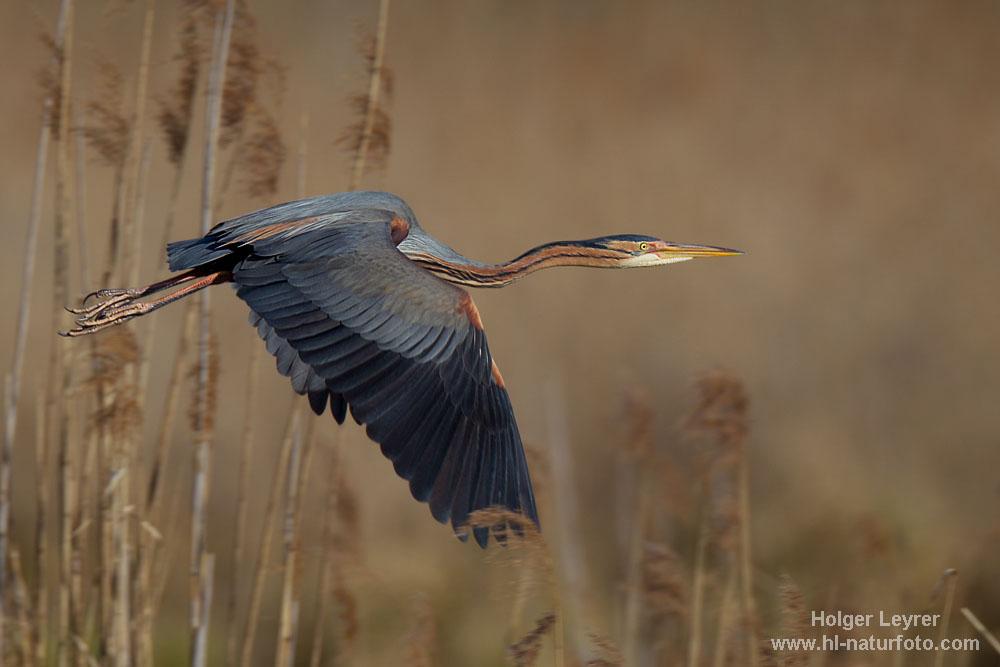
851 149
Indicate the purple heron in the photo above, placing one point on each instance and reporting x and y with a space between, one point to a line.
363 309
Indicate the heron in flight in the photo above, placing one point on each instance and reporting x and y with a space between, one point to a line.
363 309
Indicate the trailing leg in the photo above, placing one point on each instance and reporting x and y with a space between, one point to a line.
118 306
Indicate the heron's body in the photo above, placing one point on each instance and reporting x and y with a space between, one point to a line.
363 309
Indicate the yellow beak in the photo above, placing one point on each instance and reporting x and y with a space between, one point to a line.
666 250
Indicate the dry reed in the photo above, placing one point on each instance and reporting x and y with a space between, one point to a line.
245 466
246 124
60 370
13 378
176 110
136 140
97 494
572 596
524 652
244 64
299 464
719 420
639 447
664 586
323 588
525 544
23 610
264 546
794 620
369 137
263 155
39 629
79 150
420 640
949 581
348 617
200 579
974 621
610 656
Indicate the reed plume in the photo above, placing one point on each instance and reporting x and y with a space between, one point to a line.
368 138
524 652
608 654
794 621
420 640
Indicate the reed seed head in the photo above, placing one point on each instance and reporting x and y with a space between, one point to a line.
524 652
609 655
107 129
264 153
174 115
50 79
663 582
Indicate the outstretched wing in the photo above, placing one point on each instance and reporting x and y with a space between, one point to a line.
354 322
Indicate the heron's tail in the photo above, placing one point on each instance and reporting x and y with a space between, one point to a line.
192 253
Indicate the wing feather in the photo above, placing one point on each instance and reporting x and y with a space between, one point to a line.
354 323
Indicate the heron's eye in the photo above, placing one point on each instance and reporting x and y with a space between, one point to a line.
643 246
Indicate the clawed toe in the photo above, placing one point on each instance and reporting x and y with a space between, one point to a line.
114 292
119 299
115 307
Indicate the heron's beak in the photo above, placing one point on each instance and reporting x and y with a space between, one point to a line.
677 250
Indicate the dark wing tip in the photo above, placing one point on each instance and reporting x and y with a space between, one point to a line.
318 400
338 407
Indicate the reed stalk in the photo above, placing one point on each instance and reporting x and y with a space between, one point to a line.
303 156
200 648
69 552
633 599
725 614
61 370
950 578
138 217
974 621
246 460
300 462
42 466
747 605
13 378
137 145
169 412
83 257
324 587
372 99
122 614
201 586
158 564
23 609
150 541
264 545
77 483
565 505
698 591
639 447
136 170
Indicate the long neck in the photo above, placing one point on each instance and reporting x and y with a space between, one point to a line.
458 269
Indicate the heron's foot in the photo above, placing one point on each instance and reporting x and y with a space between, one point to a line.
119 291
116 307
108 299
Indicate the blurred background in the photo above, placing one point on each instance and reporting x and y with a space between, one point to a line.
851 149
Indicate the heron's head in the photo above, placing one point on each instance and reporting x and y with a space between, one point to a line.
637 250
